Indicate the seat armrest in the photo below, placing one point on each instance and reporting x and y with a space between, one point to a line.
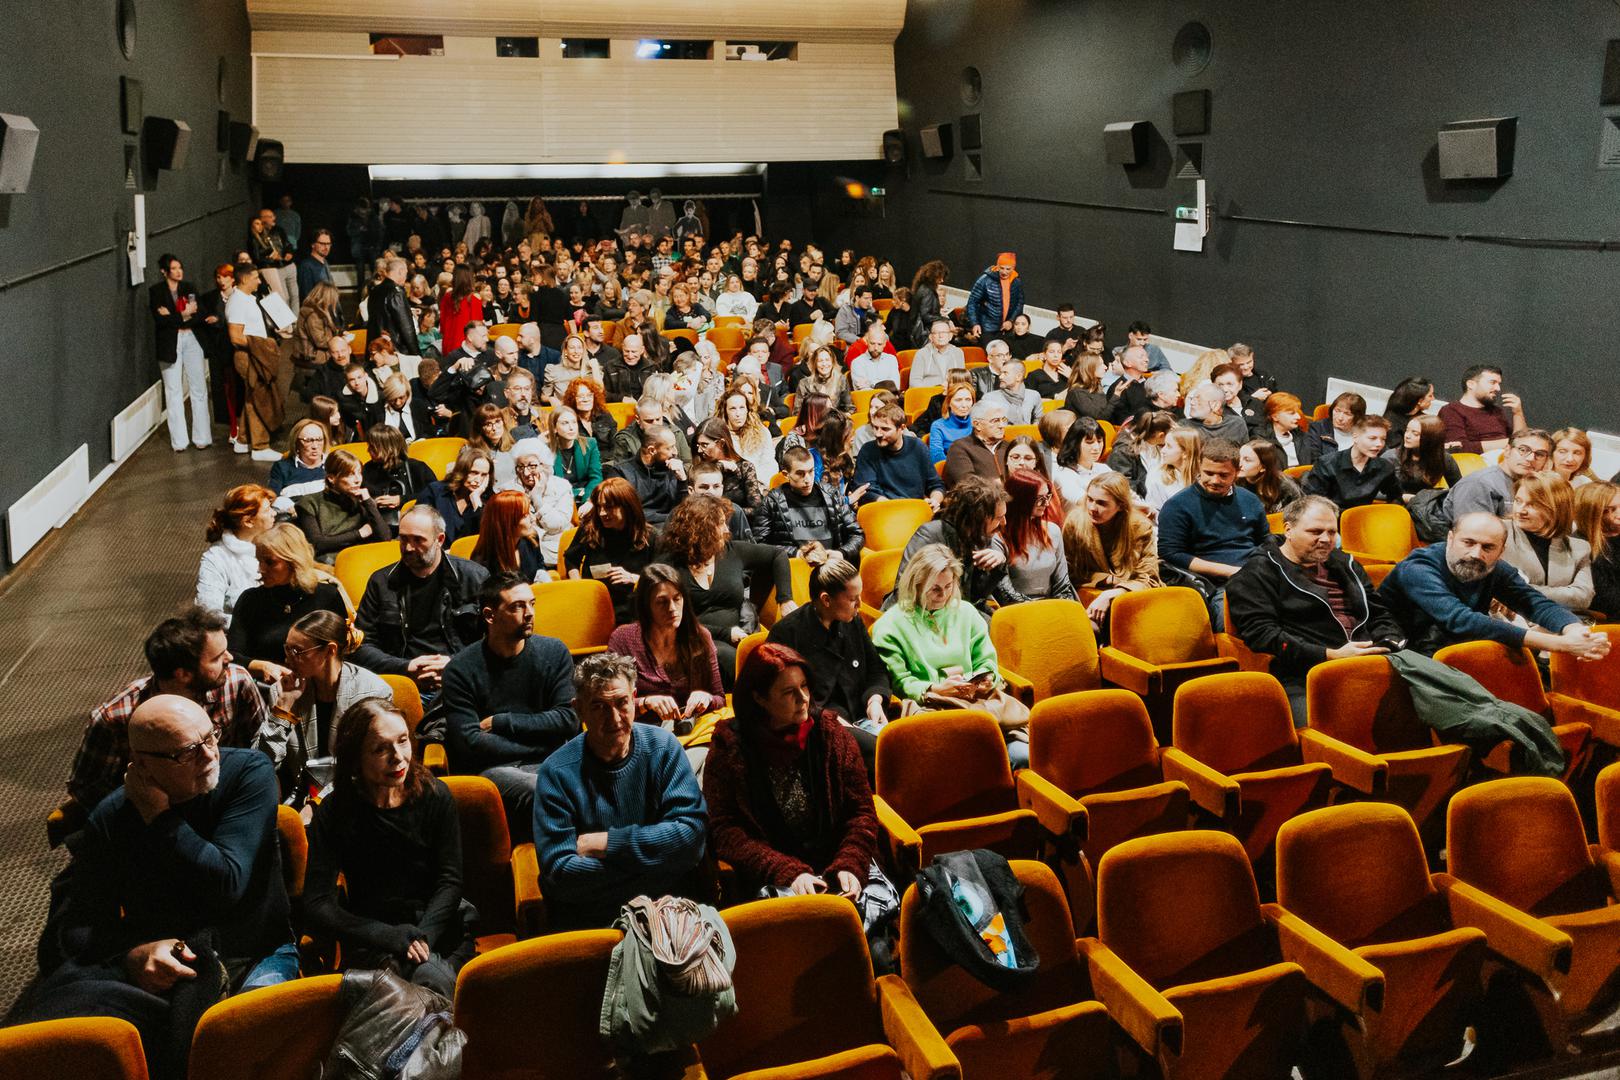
1144 1013
905 843
1609 864
1230 645
434 759
1339 973
1605 722
1058 812
1126 671
1352 767
922 1050
1214 791
1018 686
587 650
529 914
1525 940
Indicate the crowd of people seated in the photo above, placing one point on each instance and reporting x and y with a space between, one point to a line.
714 436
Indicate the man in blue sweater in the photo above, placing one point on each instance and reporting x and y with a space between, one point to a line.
509 700
892 466
1212 526
1442 594
618 812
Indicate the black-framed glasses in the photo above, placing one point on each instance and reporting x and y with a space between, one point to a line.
186 755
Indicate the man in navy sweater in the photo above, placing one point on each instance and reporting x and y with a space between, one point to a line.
618 812
1442 594
509 700
1212 526
893 466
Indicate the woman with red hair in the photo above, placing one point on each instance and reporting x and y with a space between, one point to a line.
230 566
588 399
789 804
508 538
1036 564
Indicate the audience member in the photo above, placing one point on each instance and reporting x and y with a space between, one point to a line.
1490 490
1572 456
316 687
1260 469
1176 468
176 875
1026 345
748 436
1078 461
508 538
1138 335
1084 395
257 360
969 526
876 364
1068 332
938 649
176 321
575 364
937 357
290 587
459 497
1036 563
852 318
1208 415
1336 431
390 474
417 613
1411 398
677 668
230 566
997 297
1541 545
589 402
804 520
1022 404
1127 394
1281 428
551 497
390 828
654 473
893 466
1444 593
303 470
509 699
1421 461
343 513
1135 453
1484 418
388 308
1109 545
827 378
1212 527
1597 520
975 454
956 423
1360 475
1302 600
618 813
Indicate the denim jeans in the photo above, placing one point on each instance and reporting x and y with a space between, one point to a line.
279 967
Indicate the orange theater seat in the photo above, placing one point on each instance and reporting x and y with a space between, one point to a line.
1513 676
1047 646
354 566
1596 682
1055 1028
438 454
504 888
1379 533
1358 874
80 1048
1181 909
270 1033
808 1006
1237 752
1159 638
577 612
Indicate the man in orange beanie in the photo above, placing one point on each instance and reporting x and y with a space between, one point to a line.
996 299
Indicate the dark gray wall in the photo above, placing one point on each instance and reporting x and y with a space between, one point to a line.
1324 114
78 338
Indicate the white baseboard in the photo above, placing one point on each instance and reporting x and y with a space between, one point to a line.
48 504
131 427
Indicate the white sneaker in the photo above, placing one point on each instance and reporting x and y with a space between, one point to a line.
266 454
239 446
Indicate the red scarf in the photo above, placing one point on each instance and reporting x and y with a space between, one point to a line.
782 747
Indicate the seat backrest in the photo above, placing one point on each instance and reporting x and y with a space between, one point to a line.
294 841
1349 870
358 449
1608 806
532 1009
946 765
917 399
1521 840
746 647
438 454
462 547
407 698
1360 700
1168 900
949 995
890 523
1510 674
1162 626
804 985
486 849
79 1048
354 566
1048 642
878 573
1085 741
1382 530
622 412
268 1034
1468 463
1234 721
1590 680
577 613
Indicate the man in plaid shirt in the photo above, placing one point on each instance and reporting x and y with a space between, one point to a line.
189 657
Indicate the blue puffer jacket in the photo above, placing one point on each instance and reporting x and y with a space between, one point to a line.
984 301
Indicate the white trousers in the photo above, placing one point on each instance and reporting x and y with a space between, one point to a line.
187 378
289 284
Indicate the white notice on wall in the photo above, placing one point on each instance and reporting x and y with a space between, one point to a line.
1189 236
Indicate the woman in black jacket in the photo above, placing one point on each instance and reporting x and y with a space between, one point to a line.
721 575
290 587
390 828
391 476
925 299
613 545
550 308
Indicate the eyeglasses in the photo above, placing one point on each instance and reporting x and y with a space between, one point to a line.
1533 455
295 652
186 755
533 466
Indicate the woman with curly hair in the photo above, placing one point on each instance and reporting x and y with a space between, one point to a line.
740 481
720 573
588 399
925 306
614 544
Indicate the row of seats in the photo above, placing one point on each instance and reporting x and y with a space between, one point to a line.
1187 969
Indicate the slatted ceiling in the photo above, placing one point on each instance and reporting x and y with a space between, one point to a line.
826 20
593 110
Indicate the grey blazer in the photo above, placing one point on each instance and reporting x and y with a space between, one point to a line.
1567 581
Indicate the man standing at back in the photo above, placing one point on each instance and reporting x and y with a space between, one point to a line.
173 302
997 297
1484 418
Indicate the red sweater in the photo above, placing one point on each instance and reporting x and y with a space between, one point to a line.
1469 427
453 320
737 829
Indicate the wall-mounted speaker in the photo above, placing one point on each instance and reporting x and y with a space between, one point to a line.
1611 75
1126 142
243 138
1478 149
936 140
129 95
19 138
894 147
222 133
1189 113
972 132
166 142
269 163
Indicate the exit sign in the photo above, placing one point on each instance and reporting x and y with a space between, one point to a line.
878 193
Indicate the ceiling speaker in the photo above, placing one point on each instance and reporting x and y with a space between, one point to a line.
936 140
166 142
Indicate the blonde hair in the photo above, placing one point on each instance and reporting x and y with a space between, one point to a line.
318 425
1552 495
1111 548
1201 368
1191 444
288 543
1580 439
921 569
1591 502
754 436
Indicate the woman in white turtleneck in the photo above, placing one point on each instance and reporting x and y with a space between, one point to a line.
230 566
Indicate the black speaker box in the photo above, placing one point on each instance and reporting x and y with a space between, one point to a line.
1611 75
894 147
269 163
243 138
167 141
222 133
972 132
1189 113
1478 149
19 138
936 140
1126 142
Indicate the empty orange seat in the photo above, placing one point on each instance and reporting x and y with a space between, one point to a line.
1512 675
79 1048
269 1034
